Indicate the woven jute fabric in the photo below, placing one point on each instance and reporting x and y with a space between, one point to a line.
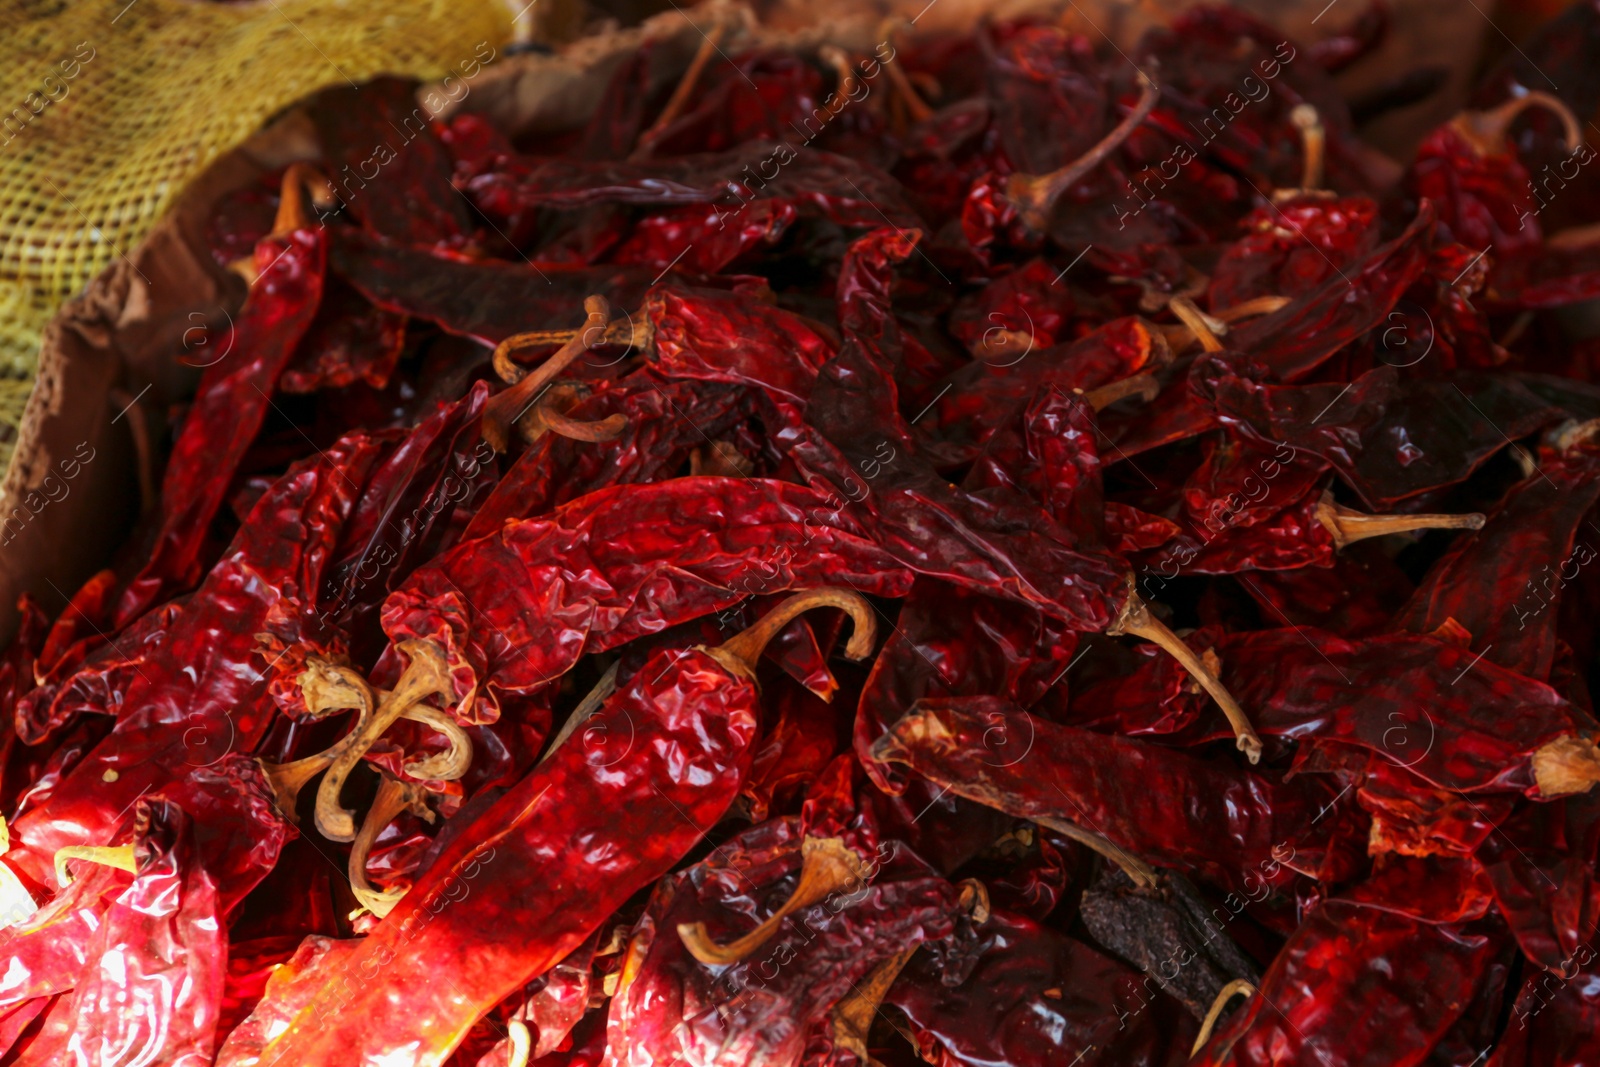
108 109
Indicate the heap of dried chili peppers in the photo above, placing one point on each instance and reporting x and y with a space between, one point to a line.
991 551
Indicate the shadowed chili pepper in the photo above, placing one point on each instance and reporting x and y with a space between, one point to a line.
381 125
1029 996
1356 985
786 999
1511 614
993 753
234 397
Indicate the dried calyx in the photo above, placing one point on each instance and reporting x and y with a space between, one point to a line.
1137 619
1035 195
505 408
328 688
1348 526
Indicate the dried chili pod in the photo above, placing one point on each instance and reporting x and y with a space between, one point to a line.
1115 789
234 397
1357 985
656 555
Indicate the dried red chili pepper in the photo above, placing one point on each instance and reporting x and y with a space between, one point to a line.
991 752
1356 985
234 398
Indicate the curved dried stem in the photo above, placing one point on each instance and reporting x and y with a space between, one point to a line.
606 429
1143 385
1035 195
1566 766
741 652
632 331
444 766
1137 619
394 796
828 866
590 704
1261 305
1486 130
852 1016
326 688
119 856
680 95
917 109
506 407
1234 988
1142 873
425 675
1204 328
1348 526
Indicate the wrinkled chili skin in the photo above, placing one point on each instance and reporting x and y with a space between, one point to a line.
675 749
1321 998
515 610
234 397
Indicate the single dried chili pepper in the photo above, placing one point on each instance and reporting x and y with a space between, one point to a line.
1512 614
993 753
1389 1000
234 397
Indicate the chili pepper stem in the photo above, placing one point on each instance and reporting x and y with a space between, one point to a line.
1314 141
635 332
852 1017
1486 130
680 95
741 652
1237 987
1348 526
1035 195
828 866
1261 305
606 429
917 109
521 1043
1137 619
425 675
394 797
1143 385
119 856
446 766
590 704
1566 766
505 408
1142 873
1203 326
